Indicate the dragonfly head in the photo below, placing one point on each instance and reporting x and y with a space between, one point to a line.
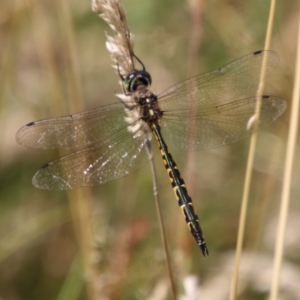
137 78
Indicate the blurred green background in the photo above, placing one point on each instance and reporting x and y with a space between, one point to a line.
54 62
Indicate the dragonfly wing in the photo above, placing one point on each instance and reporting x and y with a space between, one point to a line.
73 131
221 85
98 164
207 127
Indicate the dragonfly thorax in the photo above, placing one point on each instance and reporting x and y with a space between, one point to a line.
137 78
147 102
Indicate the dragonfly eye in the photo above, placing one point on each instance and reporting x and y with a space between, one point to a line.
137 78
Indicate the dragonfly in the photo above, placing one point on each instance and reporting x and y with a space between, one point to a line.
109 142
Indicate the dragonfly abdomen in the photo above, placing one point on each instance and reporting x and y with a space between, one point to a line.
180 191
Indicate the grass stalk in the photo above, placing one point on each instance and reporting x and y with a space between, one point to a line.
289 162
120 47
161 223
250 161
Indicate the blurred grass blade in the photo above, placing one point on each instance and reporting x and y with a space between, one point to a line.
289 163
74 282
250 162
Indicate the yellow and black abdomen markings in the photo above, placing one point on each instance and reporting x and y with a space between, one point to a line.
180 191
